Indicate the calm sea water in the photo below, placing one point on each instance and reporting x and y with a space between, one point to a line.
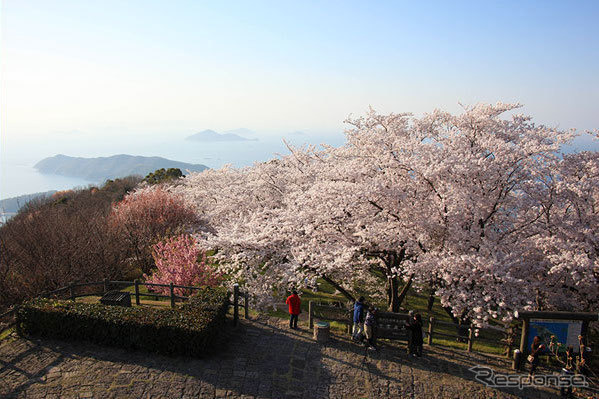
18 175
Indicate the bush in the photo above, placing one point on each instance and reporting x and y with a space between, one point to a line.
194 329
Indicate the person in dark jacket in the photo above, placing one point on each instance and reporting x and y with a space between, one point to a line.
294 303
358 330
417 340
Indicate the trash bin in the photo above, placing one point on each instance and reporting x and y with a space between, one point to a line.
322 332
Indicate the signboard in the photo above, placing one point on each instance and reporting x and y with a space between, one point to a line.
391 325
566 332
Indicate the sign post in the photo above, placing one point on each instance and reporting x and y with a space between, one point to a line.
564 326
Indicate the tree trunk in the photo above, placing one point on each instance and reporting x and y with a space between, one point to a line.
447 310
404 291
431 299
393 297
339 288
392 261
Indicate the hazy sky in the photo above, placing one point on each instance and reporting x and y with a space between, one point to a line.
112 67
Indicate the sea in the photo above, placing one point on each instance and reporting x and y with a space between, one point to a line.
18 175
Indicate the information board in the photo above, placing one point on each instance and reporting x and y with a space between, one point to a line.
566 332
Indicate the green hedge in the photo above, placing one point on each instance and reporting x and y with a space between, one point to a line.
194 329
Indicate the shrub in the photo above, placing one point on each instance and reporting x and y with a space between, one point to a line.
163 176
194 329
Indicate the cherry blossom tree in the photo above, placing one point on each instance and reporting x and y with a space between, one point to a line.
148 214
179 260
567 236
464 204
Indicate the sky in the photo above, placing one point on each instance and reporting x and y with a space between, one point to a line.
144 68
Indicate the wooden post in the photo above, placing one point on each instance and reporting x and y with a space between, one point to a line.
523 342
137 292
470 338
246 308
310 319
584 332
517 359
172 295
71 291
105 285
235 304
431 324
509 341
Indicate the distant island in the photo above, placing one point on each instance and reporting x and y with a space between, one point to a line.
103 168
210 136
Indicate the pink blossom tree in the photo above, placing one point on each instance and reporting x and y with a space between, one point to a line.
148 214
179 260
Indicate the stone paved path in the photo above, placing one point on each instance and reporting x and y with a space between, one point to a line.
263 360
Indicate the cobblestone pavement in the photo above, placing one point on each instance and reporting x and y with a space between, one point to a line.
264 359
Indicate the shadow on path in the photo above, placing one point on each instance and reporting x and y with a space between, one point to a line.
259 360
263 359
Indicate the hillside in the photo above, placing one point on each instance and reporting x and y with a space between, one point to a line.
102 168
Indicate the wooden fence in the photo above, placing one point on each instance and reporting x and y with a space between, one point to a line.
340 314
78 290
468 334
391 326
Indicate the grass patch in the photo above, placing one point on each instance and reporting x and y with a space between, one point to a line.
142 302
6 333
144 293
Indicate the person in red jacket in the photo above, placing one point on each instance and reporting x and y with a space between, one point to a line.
294 303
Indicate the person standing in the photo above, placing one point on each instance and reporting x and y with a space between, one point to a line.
358 330
369 327
410 332
536 348
294 303
417 340
584 363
